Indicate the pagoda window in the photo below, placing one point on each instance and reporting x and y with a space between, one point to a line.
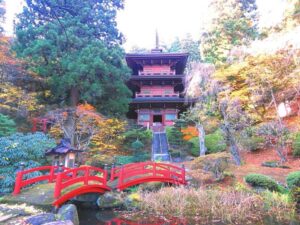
144 117
170 117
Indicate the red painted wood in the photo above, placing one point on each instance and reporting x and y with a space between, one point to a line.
20 183
78 191
93 180
137 173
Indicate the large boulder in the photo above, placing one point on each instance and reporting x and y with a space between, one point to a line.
40 219
68 213
110 200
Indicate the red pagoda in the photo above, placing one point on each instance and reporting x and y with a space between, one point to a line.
157 83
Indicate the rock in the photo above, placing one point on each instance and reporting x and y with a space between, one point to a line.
110 200
40 219
67 222
68 212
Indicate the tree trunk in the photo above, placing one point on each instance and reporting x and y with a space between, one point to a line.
234 150
69 126
201 135
74 98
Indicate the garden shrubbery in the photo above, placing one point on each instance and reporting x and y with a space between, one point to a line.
125 159
214 143
7 126
293 179
28 148
262 181
215 163
141 134
175 137
252 143
296 145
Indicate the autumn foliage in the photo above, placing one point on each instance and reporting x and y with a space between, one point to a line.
91 132
189 132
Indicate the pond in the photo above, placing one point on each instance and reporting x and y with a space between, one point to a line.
89 216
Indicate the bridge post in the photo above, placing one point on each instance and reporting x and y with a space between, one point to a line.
112 172
19 177
51 175
120 181
57 188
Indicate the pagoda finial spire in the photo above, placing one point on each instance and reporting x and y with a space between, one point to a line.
156 40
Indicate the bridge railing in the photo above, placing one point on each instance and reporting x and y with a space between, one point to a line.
151 171
83 175
50 176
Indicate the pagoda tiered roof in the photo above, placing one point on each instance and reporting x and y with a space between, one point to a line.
175 60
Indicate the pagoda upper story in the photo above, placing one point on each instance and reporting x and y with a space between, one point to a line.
157 63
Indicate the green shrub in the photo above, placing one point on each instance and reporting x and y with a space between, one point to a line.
175 137
293 179
142 134
194 146
7 126
252 143
137 145
28 148
296 145
126 159
215 163
274 164
262 181
215 142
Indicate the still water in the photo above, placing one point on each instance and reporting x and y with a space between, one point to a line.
109 217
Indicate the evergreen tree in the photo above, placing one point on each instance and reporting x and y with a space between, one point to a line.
187 44
75 45
7 126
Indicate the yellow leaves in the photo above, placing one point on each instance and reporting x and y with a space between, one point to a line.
92 131
14 98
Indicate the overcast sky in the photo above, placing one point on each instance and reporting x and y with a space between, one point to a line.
172 18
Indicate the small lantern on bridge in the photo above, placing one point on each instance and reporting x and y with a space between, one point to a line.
63 153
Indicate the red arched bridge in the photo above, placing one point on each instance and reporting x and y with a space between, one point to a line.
69 183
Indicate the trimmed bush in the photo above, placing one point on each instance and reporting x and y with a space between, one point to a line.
126 159
296 146
293 179
215 163
175 137
194 146
137 145
143 135
262 181
7 126
215 142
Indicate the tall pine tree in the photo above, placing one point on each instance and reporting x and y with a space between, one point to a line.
75 45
